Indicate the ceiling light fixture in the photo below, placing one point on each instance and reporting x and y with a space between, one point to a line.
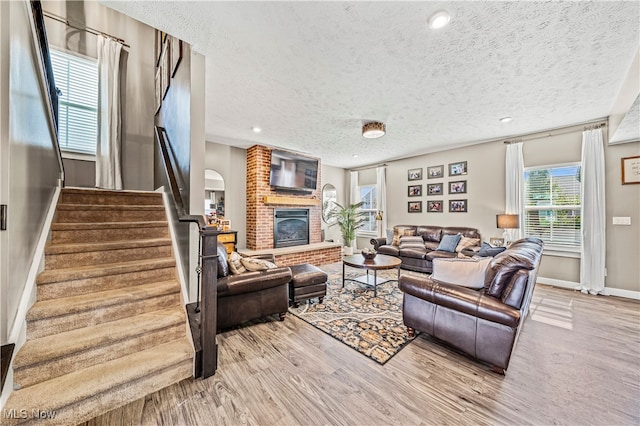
439 19
373 130
256 129
505 119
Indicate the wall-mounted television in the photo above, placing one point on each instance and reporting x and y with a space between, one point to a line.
293 172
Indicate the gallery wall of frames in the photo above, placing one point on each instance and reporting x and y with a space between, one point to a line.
435 187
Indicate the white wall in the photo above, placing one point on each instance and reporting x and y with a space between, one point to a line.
138 102
29 163
231 163
336 177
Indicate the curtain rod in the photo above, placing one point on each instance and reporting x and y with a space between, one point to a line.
559 131
357 169
85 28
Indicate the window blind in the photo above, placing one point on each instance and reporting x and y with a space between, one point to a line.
77 79
552 204
369 198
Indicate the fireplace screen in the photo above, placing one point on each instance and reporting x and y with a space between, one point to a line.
290 227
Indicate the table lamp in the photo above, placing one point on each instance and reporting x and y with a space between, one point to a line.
507 221
379 220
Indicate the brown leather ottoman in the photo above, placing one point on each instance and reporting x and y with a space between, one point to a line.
307 282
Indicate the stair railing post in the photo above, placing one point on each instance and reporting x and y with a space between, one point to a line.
209 303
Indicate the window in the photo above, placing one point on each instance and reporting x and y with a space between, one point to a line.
552 200
77 79
369 198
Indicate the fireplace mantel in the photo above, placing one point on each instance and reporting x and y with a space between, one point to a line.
290 201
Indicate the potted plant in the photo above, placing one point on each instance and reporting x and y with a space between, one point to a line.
349 219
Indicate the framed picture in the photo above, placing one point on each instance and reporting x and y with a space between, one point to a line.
176 54
496 242
164 67
631 170
414 207
457 169
457 206
414 191
435 172
434 189
458 187
225 224
415 174
434 206
158 89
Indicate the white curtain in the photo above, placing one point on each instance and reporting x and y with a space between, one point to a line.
381 189
354 198
592 262
108 169
514 170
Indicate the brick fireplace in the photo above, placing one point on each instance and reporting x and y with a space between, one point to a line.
262 200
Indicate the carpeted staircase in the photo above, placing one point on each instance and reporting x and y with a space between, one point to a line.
109 324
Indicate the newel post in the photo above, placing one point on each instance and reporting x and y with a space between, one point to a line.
209 301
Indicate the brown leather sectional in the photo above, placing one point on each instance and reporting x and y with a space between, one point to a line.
420 258
250 295
483 323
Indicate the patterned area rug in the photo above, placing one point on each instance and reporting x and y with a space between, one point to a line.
371 325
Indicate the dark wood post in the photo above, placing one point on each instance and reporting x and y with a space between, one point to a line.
209 303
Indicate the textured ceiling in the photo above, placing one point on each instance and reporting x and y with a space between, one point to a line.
311 73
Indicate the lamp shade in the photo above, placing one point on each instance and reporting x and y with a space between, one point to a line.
373 130
507 221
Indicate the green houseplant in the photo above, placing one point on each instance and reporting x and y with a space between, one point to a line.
349 219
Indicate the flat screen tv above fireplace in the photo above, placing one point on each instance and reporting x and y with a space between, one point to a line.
293 172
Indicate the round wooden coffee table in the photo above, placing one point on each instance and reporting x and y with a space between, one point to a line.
378 263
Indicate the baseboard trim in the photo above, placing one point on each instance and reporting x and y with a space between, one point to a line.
619 292
608 291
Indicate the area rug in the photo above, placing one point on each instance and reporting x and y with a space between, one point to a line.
371 325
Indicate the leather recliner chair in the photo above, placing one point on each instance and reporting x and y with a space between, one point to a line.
483 323
250 295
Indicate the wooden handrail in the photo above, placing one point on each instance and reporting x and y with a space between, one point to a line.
46 73
208 264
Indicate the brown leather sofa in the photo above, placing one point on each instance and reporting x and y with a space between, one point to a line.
420 258
483 323
250 295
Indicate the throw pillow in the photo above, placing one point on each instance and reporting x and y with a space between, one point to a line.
389 236
255 265
488 250
449 243
463 272
235 263
467 242
399 232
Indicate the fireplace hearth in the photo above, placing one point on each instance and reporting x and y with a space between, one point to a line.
290 227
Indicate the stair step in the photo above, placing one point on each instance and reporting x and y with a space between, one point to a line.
107 231
43 359
87 393
53 316
57 283
88 213
106 197
82 254
95 271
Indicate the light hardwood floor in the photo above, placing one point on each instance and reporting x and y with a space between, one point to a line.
577 362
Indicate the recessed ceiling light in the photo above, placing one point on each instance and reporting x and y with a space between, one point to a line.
355 155
256 129
439 19
505 119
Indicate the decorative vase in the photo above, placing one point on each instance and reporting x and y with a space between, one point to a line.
348 251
